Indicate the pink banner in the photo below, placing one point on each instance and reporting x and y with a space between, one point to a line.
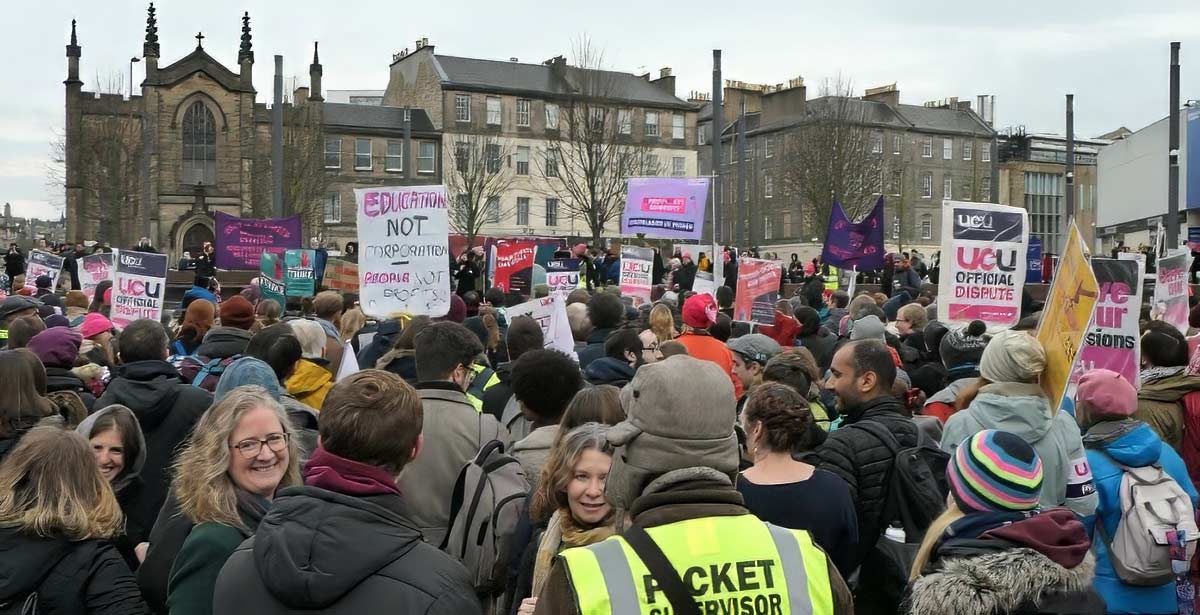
1112 341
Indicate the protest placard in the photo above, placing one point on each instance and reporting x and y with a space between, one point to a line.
42 263
270 278
513 270
240 241
299 275
562 276
665 207
757 290
551 314
403 263
1170 303
984 248
637 271
94 269
139 287
1066 316
341 275
1112 342
704 284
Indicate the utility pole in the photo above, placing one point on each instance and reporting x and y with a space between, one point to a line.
715 142
1070 165
741 177
1173 155
277 142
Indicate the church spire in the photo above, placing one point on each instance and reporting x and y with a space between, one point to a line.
316 58
150 47
246 52
74 51
74 39
314 76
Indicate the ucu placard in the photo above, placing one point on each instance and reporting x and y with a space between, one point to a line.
984 253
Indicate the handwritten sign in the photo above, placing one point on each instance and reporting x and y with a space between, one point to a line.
139 287
404 241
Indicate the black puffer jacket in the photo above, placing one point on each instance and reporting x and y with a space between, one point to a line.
59 379
167 410
69 577
297 561
595 347
385 337
863 461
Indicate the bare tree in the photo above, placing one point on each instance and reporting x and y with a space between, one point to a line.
587 166
828 158
305 180
476 179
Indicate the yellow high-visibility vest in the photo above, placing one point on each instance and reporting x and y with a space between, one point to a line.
737 565
831 280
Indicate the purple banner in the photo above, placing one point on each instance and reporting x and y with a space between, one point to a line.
671 207
241 241
854 244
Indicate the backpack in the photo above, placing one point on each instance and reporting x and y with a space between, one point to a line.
203 373
485 508
514 420
1152 504
21 605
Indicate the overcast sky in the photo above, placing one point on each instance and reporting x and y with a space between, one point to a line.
1112 54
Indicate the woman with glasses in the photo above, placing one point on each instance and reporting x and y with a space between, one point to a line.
240 454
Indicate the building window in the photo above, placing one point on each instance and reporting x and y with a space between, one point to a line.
769 147
492 210
523 112
333 152
362 154
426 155
967 143
947 187
677 126
895 227
876 142
493 111
624 121
702 135
551 116
523 160
462 156
651 123
947 148
597 118
678 166
551 212
895 144
331 207
985 153
493 157
768 186
768 228
927 148
897 179
985 188
462 107
651 169
551 162
1044 200
199 145
927 186
926 226
751 148
394 158
522 211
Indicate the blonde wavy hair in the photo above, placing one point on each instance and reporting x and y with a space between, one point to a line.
50 486
933 535
662 323
352 320
202 484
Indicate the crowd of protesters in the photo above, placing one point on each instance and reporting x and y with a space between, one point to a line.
238 457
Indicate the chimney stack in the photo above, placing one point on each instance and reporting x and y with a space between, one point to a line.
314 76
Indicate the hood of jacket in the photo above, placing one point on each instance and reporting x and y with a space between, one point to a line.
996 582
25 560
300 547
949 394
1020 409
541 438
308 377
62 379
133 467
869 409
598 336
149 388
607 370
223 342
1169 389
1131 443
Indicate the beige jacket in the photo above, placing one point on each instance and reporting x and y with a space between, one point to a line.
533 450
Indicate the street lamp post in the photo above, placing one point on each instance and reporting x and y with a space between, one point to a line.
131 61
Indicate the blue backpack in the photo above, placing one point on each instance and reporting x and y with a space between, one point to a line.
204 373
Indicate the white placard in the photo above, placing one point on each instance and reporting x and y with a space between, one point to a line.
551 314
403 264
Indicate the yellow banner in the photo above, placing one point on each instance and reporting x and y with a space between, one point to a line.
1066 316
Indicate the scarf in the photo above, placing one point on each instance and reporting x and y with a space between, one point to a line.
562 533
1150 374
251 509
1105 432
325 470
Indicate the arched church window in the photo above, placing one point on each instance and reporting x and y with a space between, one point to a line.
199 145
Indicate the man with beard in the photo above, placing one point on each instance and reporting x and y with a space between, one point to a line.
624 353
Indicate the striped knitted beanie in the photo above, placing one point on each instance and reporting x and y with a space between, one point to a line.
995 471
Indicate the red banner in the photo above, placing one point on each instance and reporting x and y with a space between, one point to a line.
513 270
757 290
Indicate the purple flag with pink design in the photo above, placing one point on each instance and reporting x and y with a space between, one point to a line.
669 207
855 244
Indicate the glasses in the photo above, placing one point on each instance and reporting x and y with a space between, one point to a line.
251 447
651 348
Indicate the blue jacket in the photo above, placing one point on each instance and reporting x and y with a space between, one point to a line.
1136 448
197 292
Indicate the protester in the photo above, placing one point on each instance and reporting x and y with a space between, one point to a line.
910 324
310 381
57 348
605 312
197 321
454 430
1009 399
675 478
524 335
836 303
815 337
56 520
1115 444
352 321
199 290
328 308
23 329
624 354
750 354
792 369
21 403
102 298
992 552
662 323
12 308
116 440
861 376
97 332
671 349
267 312
165 407
1164 382
781 490
594 404
571 496
785 328
14 264
961 351
699 315
544 382
278 347
75 307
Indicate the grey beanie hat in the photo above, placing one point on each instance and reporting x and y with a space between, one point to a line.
755 347
1013 356
681 412
867 328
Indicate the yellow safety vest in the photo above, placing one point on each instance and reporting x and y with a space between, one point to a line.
831 280
476 390
735 565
